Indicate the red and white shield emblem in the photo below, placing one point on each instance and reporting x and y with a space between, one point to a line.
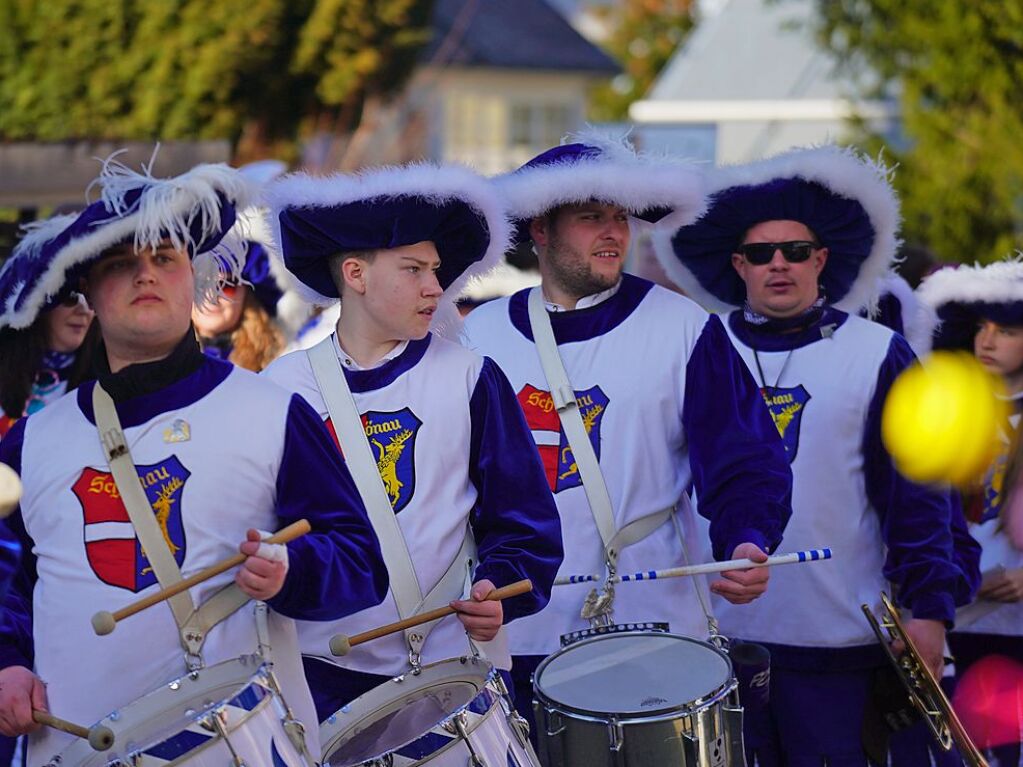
112 548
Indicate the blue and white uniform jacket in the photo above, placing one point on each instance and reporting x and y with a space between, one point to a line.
825 386
668 405
218 452
455 457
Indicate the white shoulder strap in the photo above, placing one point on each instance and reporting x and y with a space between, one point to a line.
571 421
193 624
358 455
140 511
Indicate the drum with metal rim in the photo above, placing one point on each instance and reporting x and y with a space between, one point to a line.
637 699
448 714
227 714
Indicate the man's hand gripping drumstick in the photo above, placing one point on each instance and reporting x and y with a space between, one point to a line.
482 622
264 565
23 710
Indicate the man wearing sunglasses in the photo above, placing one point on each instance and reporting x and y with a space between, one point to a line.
792 248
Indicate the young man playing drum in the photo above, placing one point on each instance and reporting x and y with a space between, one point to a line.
663 398
793 247
448 462
219 454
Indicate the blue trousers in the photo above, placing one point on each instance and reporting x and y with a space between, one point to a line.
815 719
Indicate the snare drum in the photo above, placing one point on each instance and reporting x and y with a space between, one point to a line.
637 699
227 714
448 714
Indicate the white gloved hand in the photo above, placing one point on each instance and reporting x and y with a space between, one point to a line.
275 552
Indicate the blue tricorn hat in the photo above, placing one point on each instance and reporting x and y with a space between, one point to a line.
964 295
604 168
844 198
193 210
314 218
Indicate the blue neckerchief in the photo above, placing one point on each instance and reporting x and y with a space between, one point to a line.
804 319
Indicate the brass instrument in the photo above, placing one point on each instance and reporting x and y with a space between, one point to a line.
924 691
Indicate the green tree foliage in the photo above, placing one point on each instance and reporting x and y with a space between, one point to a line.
958 65
146 69
643 36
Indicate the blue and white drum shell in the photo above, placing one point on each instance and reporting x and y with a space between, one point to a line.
211 718
641 697
442 715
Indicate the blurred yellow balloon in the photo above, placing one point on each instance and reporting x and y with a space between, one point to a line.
942 420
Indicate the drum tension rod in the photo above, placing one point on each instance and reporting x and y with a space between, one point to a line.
474 758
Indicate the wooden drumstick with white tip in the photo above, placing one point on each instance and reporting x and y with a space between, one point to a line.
104 622
100 737
341 644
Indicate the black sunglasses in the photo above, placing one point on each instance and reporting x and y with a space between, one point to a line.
760 253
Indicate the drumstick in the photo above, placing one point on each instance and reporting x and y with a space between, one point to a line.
812 555
104 622
10 490
100 738
341 644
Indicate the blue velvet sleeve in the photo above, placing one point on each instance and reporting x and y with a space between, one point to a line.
337 569
915 520
515 520
740 470
16 645
967 554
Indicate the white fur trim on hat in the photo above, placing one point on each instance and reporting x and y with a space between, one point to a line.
635 181
842 170
1000 282
434 184
165 208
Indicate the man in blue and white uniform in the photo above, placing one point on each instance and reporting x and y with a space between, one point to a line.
792 247
463 503
662 396
220 454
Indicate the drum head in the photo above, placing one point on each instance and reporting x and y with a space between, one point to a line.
394 716
633 674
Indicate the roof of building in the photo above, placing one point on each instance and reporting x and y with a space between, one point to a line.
511 34
753 49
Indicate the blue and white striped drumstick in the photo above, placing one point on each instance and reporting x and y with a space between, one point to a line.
813 555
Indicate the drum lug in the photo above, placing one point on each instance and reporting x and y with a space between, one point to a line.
615 735
518 723
474 759
221 730
554 720
616 739
732 715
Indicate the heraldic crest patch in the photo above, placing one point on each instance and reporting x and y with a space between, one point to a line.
558 461
111 545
